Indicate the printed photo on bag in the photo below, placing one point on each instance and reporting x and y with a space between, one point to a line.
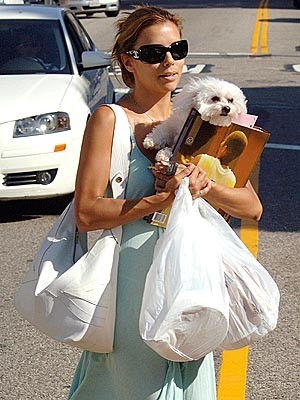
227 154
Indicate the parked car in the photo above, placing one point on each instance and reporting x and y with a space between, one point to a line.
51 78
111 8
11 2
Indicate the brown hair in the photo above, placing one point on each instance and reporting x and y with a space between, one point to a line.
129 27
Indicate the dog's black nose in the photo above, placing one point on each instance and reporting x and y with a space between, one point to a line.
225 110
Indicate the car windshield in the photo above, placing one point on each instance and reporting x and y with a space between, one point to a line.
32 47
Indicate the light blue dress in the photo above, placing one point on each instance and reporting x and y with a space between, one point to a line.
134 371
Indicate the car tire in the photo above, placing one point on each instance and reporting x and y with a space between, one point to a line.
112 13
90 14
297 3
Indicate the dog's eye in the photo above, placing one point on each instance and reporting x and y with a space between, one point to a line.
230 100
215 99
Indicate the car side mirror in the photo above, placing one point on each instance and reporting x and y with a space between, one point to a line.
94 59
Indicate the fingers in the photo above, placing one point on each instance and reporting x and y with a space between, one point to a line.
206 189
199 183
167 183
168 168
201 192
160 185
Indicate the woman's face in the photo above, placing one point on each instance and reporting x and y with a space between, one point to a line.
164 76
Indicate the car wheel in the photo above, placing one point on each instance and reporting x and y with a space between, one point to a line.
90 14
111 13
297 3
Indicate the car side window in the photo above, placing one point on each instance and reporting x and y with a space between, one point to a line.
32 46
79 37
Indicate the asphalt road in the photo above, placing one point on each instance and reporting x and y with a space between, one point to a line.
221 38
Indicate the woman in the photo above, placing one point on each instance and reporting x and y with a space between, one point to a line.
133 371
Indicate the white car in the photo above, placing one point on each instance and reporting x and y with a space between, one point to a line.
51 78
11 1
111 8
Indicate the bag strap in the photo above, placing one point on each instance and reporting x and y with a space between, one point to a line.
120 159
121 149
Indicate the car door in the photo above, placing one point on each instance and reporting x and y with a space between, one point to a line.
100 88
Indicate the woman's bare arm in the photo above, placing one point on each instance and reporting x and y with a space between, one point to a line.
91 209
239 202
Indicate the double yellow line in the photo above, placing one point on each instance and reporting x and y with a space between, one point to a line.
259 43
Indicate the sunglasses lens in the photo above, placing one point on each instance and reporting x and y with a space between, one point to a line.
179 50
153 54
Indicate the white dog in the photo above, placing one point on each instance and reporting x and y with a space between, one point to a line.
219 102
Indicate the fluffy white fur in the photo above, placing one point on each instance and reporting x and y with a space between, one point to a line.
219 102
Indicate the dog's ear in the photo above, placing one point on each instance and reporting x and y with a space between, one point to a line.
242 105
240 100
188 96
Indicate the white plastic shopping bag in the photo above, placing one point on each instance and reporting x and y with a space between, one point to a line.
184 313
253 294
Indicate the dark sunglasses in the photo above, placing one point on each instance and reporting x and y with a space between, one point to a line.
156 53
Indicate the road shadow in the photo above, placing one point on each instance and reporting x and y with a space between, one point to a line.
23 210
278 112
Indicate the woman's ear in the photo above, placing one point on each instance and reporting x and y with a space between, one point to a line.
127 62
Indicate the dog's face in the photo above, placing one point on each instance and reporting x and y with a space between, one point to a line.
219 102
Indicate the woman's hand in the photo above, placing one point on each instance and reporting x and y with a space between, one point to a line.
199 183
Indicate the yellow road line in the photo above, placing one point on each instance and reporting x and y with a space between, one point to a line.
233 374
249 235
232 378
264 30
259 43
233 371
255 34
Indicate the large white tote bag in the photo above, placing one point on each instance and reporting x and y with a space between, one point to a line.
69 293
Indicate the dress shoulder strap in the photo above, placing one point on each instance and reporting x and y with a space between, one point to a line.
121 149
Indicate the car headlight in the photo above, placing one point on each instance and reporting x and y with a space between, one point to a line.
42 124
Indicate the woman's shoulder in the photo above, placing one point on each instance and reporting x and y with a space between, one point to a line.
101 123
109 112
105 109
